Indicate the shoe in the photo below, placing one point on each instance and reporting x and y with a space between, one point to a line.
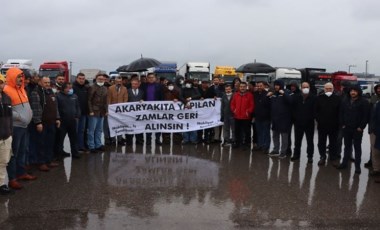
335 163
53 164
44 168
101 148
341 166
322 162
94 151
274 154
14 184
65 154
83 150
368 164
295 158
310 160
26 177
76 156
226 143
282 156
158 143
265 151
374 173
352 159
358 171
5 190
256 148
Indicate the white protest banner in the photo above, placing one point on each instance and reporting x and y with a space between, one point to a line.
163 116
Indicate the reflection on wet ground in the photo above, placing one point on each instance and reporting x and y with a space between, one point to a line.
193 187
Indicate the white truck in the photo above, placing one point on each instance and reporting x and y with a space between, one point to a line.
287 75
23 64
196 70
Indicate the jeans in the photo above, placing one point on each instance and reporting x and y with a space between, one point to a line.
276 142
263 134
229 129
243 132
81 130
34 142
46 149
70 127
190 136
299 131
322 139
16 166
350 136
94 133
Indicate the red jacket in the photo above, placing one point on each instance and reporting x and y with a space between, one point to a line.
242 106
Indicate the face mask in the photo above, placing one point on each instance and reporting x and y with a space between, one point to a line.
170 87
181 82
54 90
328 94
188 85
71 92
305 90
100 83
266 89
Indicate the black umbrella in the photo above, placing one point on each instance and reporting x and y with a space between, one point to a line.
122 68
255 68
142 64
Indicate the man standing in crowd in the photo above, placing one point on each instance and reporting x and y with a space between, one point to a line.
353 120
153 92
281 119
81 90
117 93
213 92
242 107
262 118
22 115
5 136
327 107
188 94
294 91
227 118
45 119
304 105
135 94
374 99
202 91
98 110
69 111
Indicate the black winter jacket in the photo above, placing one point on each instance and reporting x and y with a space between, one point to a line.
327 112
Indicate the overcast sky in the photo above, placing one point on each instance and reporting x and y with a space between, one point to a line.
106 34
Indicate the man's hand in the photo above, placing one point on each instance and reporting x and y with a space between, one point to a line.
58 123
39 128
92 114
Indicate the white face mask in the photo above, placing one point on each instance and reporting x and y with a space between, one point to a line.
54 90
188 85
181 82
100 83
170 87
228 94
305 90
328 94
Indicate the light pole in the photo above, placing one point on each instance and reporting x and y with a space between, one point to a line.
366 68
349 68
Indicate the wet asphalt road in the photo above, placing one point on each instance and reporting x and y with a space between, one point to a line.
194 187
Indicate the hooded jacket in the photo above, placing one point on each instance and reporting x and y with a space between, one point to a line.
281 109
354 114
5 117
21 111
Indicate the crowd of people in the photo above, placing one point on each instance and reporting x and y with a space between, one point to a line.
36 115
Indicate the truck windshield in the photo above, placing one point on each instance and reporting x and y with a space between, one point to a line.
199 75
228 78
348 83
167 76
49 73
287 81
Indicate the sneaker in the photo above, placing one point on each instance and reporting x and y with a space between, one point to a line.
274 154
368 164
5 190
282 156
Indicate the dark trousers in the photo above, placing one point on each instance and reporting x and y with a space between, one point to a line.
322 139
46 147
139 138
69 127
350 136
263 134
16 165
243 132
299 131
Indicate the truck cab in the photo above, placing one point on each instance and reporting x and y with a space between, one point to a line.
227 73
52 68
256 77
23 64
343 79
287 75
168 70
196 70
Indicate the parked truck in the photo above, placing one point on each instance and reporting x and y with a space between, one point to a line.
287 75
196 70
342 79
167 70
23 64
52 68
227 73
91 74
316 77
